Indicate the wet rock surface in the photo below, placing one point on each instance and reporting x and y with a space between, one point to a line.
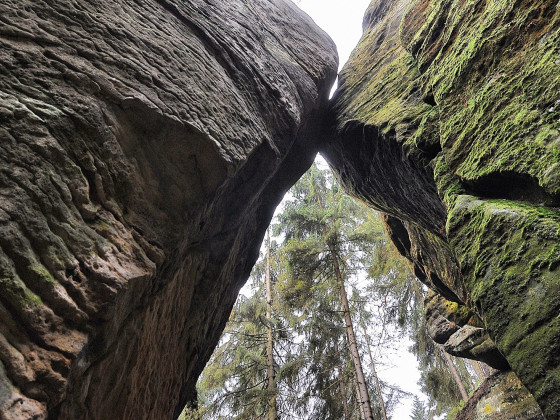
144 147
445 119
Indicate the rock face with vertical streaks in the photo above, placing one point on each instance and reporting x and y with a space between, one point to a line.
447 118
144 146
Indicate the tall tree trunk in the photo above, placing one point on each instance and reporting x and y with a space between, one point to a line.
341 384
378 385
364 400
455 374
362 414
269 342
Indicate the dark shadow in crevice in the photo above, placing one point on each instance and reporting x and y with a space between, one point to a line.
429 99
511 186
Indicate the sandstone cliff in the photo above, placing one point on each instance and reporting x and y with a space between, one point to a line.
447 118
144 146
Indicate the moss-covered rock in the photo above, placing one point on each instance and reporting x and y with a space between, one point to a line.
501 397
460 331
510 258
447 118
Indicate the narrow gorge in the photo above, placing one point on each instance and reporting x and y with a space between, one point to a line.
146 144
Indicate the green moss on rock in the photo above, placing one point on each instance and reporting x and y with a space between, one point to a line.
510 261
500 397
471 91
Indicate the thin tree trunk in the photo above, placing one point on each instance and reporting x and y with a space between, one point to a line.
364 400
455 374
362 414
269 342
378 385
341 384
477 370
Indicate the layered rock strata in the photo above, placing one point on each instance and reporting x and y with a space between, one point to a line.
460 331
144 146
447 118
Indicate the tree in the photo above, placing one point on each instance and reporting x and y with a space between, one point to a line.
255 370
291 351
445 382
321 225
419 410
271 385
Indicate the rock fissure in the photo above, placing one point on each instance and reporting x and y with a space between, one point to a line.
146 144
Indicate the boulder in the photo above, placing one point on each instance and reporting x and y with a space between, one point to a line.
144 146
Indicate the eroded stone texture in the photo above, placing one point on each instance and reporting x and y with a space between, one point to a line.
460 331
447 118
501 397
144 146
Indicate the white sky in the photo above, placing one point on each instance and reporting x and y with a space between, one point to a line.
343 22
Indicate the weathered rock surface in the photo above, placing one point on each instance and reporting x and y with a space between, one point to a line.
460 331
447 118
144 146
501 397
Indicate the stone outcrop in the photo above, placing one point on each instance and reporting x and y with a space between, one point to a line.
460 331
144 146
501 397
447 118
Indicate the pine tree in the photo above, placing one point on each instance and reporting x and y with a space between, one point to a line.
419 410
321 226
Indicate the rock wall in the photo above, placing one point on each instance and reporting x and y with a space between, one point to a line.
501 397
144 146
447 118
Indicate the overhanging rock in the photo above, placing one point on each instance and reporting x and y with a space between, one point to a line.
144 146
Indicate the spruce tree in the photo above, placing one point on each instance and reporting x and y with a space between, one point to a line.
321 227
419 410
392 282
254 372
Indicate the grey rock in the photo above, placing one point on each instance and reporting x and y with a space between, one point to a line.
144 146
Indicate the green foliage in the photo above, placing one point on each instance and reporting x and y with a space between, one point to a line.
312 359
319 224
234 383
190 413
392 282
455 410
419 410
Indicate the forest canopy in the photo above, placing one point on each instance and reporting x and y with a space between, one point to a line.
329 292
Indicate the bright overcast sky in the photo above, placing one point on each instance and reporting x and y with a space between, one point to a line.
343 22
